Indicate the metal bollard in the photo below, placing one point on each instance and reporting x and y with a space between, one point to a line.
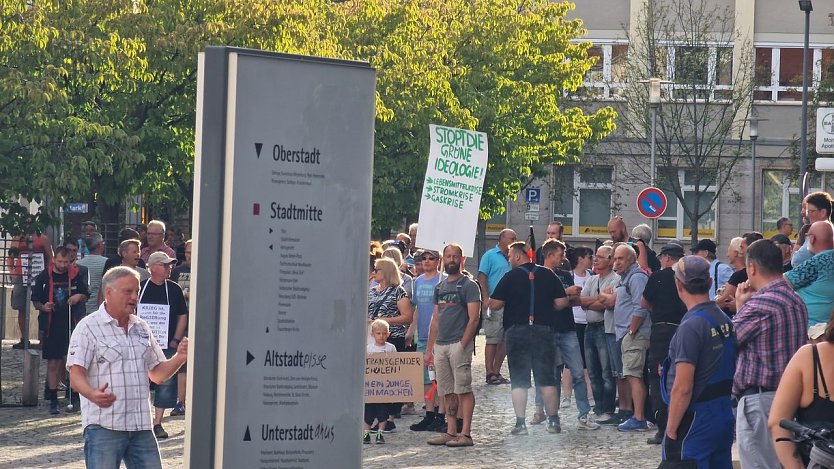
31 377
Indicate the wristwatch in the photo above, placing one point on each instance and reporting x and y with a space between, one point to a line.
176 340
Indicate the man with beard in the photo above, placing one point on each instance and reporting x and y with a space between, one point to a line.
451 345
617 230
59 294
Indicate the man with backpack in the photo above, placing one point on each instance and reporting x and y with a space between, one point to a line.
452 344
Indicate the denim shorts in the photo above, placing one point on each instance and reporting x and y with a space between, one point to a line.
165 396
530 348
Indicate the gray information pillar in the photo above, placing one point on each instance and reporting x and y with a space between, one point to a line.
282 196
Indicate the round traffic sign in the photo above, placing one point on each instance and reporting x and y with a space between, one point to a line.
651 202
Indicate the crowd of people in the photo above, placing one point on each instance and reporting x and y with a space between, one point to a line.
98 347
701 351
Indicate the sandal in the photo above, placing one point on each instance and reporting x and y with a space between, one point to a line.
493 378
502 380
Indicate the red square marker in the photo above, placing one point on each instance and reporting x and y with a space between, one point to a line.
256 209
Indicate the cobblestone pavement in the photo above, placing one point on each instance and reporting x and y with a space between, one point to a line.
30 438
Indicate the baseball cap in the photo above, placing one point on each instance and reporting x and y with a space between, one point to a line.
692 270
705 245
816 331
160 257
672 249
781 239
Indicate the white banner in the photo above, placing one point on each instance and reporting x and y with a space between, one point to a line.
157 318
38 266
825 130
452 190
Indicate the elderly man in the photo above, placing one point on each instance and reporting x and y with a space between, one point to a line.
114 389
814 278
162 299
641 235
632 326
491 269
771 324
156 241
600 327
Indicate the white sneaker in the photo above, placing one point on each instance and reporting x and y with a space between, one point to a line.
602 416
586 422
565 403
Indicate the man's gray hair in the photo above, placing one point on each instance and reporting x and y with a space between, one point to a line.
124 244
158 223
642 231
117 273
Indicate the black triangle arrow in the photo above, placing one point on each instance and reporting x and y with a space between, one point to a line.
249 357
270 247
267 330
270 231
247 436
258 147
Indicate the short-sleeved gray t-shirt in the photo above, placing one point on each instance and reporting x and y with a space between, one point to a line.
452 316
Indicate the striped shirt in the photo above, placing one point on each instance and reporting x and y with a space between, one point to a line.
770 328
120 360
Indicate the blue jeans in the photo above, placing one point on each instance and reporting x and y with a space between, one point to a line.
615 355
603 385
106 449
568 344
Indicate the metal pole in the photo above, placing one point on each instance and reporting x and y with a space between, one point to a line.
753 204
803 145
652 169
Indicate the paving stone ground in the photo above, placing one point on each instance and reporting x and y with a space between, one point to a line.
31 438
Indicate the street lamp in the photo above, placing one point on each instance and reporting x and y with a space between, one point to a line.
654 104
804 5
754 135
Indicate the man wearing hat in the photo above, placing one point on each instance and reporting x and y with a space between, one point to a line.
786 246
719 272
94 262
162 305
661 298
698 375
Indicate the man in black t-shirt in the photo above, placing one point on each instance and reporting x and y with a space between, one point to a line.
528 331
727 300
661 298
58 293
564 333
162 305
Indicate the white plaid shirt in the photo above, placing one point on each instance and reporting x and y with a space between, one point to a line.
120 360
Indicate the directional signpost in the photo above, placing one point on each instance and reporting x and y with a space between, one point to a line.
651 202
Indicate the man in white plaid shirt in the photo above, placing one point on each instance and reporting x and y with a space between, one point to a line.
112 354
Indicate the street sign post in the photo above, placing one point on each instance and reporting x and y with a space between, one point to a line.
651 202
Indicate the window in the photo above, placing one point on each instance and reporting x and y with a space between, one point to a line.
607 77
582 199
706 71
674 223
778 72
781 198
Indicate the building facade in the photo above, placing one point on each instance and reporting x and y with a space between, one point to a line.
770 33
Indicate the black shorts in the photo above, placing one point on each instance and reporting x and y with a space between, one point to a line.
530 348
56 335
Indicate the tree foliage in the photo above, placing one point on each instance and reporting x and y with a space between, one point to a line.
98 96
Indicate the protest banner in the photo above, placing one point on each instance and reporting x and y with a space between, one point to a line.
393 377
452 189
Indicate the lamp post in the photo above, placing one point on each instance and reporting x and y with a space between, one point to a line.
654 104
754 135
807 7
